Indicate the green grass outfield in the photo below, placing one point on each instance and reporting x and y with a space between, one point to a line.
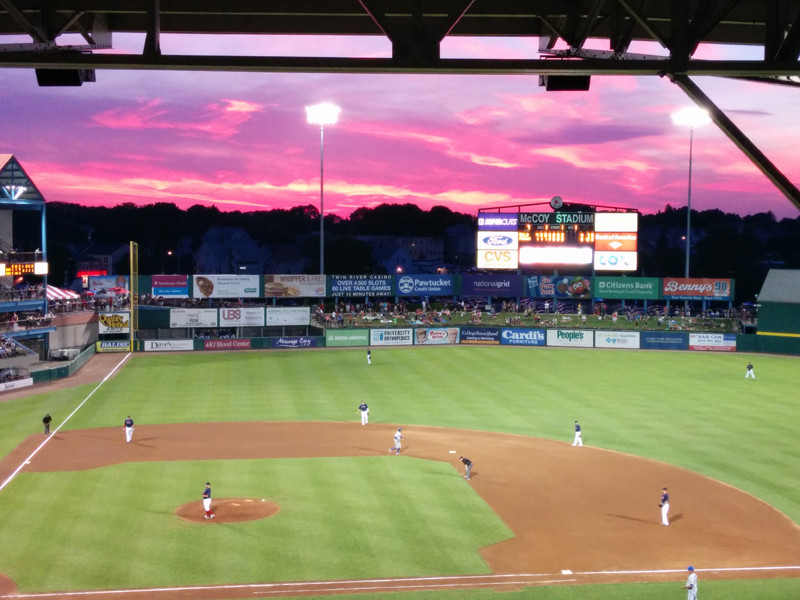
690 409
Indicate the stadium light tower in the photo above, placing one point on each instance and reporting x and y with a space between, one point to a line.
322 114
693 117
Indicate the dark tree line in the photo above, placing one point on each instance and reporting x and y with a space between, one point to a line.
722 244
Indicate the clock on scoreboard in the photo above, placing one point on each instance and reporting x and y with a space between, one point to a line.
23 268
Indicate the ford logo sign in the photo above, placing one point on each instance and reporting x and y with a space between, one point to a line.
498 240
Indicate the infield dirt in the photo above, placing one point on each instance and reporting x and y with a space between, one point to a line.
580 510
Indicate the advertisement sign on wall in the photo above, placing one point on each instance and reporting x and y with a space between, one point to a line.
104 284
225 286
424 285
346 337
360 285
168 345
627 287
491 285
570 337
570 286
616 339
497 221
714 342
523 337
497 259
295 286
227 344
242 316
279 316
172 286
436 335
480 335
391 337
664 340
114 322
193 317
113 346
676 288
302 341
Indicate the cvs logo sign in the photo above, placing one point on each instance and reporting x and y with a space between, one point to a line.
498 259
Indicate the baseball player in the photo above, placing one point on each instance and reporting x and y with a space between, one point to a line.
691 584
364 410
369 357
46 421
750 372
664 504
578 441
467 465
207 501
128 427
398 436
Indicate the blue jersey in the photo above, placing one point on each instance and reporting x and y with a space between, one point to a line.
664 498
577 428
207 493
128 422
362 407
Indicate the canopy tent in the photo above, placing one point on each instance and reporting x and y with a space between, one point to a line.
54 293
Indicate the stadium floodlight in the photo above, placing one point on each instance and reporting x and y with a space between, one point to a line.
322 114
691 117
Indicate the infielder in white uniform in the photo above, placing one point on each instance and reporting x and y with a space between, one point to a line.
664 507
128 429
364 410
398 435
578 441
691 584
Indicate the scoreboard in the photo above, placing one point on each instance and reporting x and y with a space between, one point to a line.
605 240
23 268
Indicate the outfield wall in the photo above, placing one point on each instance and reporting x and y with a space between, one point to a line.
427 336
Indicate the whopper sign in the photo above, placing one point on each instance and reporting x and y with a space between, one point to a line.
244 316
674 288
575 338
294 286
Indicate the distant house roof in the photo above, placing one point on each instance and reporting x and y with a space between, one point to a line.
781 285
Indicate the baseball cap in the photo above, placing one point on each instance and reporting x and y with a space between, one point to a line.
208 483
690 568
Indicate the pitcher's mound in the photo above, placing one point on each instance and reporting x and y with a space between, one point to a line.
228 510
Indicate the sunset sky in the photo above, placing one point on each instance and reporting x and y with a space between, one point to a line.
240 141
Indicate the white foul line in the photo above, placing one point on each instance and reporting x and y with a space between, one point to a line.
316 587
47 439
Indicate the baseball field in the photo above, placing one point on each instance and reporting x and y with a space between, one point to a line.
309 502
